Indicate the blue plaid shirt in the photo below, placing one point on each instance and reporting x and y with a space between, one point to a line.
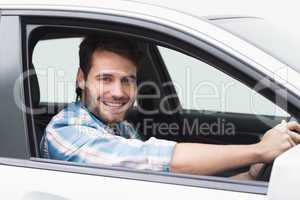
74 134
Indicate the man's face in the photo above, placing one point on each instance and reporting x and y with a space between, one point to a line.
110 87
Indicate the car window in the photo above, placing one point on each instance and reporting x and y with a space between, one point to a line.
199 86
56 62
202 87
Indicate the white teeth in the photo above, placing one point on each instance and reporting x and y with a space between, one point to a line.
113 104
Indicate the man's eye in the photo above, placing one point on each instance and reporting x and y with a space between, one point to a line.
105 79
125 80
128 81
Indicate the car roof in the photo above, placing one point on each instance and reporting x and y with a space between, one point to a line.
129 8
125 5
84 4
201 27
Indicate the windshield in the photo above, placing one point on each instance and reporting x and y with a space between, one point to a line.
280 42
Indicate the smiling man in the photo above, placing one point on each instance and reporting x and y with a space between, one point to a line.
93 129
109 87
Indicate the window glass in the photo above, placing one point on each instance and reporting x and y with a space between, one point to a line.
56 62
202 87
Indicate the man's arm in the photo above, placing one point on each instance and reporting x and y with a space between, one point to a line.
208 159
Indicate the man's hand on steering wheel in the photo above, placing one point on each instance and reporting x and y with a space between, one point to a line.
276 141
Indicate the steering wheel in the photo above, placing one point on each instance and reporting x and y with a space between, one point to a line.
265 172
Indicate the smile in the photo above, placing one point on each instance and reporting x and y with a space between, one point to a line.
114 104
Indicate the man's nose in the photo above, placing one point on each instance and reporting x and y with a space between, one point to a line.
117 89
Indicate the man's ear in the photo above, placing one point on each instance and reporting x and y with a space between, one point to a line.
80 81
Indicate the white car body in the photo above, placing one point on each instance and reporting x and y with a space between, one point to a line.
22 181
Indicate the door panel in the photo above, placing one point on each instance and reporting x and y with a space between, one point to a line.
57 185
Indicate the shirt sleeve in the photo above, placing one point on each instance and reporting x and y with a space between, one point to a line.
86 144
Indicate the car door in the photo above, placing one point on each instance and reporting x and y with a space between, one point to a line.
30 177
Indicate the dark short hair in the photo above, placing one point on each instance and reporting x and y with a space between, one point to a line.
121 46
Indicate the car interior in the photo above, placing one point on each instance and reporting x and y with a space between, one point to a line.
248 127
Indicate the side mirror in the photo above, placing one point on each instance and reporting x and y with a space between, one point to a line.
285 177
